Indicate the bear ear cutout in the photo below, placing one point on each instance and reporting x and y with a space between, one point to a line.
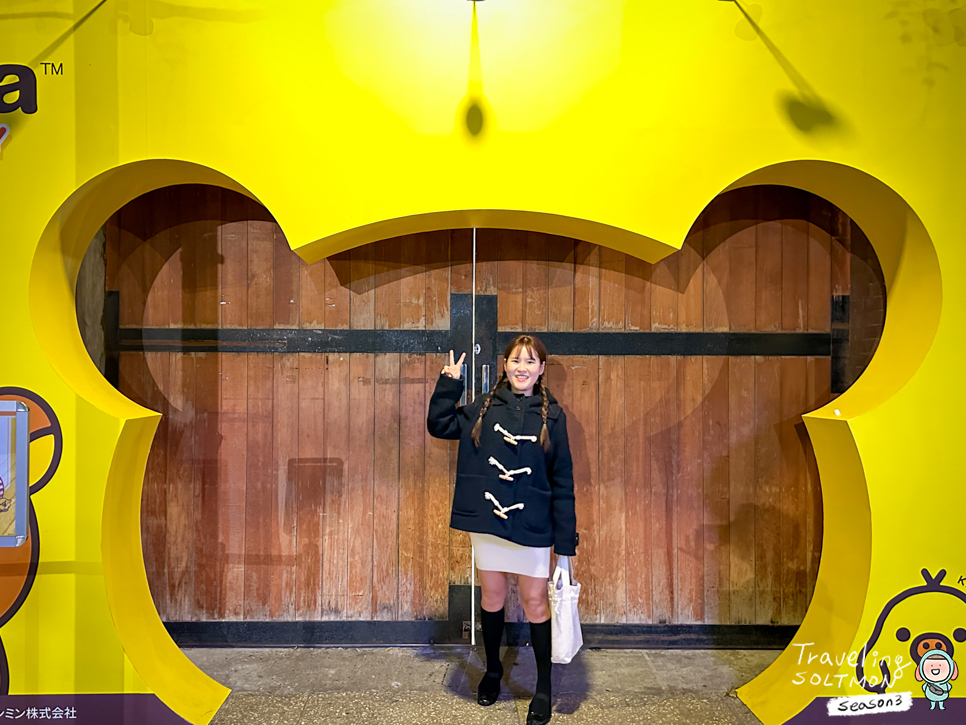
960 634
902 634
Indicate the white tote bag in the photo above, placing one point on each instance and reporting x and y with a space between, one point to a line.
564 620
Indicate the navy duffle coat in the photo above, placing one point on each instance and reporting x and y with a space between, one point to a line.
547 516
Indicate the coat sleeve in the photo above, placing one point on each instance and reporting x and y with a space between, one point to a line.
562 491
443 420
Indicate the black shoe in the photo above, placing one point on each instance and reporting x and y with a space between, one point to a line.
489 689
539 713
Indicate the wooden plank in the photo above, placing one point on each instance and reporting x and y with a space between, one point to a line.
388 281
311 487
582 426
460 551
134 381
261 273
819 265
412 444
612 277
663 424
717 489
152 257
637 294
288 270
841 253
169 206
768 261
742 488
742 263
487 260
130 275
233 253
285 492
767 500
335 561
611 536
206 293
336 279
795 263
818 394
637 492
560 279
689 495
717 285
260 485
180 508
691 279
436 509
665 293
207 592
312 295
513 605
794 483
359 503
412 291
437 280
185 208
198 240
461 261
151 370
509 287
536 283
385 573
362 288
233 477
586 287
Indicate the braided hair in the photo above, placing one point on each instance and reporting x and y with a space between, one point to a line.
544 409
535 346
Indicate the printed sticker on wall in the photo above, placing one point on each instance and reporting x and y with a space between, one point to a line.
924 622
14 457
19 563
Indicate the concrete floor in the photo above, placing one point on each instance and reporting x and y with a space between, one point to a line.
436 685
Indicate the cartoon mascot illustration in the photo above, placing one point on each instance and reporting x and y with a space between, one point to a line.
19 563
932 647
934 672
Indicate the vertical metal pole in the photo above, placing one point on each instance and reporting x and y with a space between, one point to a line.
472 398
473 342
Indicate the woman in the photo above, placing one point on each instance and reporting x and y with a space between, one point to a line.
514 494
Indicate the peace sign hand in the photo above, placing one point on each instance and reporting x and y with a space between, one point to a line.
453 369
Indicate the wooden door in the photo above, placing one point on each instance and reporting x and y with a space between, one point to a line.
292 477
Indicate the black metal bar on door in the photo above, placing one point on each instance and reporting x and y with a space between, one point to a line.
491 341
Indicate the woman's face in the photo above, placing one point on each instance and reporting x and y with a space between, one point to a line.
523 369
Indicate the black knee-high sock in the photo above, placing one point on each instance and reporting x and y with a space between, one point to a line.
540 638
492 626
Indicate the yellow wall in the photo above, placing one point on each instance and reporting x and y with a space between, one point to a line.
611 121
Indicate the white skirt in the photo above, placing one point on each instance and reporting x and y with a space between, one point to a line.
496 554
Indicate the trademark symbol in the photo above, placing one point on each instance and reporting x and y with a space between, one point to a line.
53 69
